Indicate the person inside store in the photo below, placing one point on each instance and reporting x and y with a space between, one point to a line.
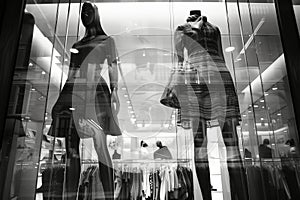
87 106
247 153
209 100
264 150
116 155
162 152
144 152
293 150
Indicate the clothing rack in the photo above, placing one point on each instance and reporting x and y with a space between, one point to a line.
140 161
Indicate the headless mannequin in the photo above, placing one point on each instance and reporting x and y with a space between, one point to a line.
90 53
227 124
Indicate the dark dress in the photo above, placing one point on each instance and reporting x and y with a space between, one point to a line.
86 90
212 95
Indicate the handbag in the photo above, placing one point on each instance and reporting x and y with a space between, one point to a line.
177 89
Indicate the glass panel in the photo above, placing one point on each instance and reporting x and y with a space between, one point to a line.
296 4
86 113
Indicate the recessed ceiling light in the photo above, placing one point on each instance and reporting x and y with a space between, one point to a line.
230 49
279 114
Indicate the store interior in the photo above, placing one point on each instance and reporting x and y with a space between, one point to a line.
143 34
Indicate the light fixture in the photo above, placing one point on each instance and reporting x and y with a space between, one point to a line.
255 106
262 100
230 49
278 114
72 50
43 72
261 118
249 111
72 109
274 88
128 101
30 65
33 89
244 115
126 95
266 94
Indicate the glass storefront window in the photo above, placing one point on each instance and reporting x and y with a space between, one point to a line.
86 113
296 4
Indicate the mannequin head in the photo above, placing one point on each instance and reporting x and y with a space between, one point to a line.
195 12
91 20
87 14
194 15
159 144
143 144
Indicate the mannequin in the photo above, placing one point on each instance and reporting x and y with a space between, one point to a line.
212 99
86 97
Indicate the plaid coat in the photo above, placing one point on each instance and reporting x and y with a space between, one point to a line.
213 95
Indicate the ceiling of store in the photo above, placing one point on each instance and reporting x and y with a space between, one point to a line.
142 32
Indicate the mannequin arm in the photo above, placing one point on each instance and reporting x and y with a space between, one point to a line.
220 49
113 77
179 46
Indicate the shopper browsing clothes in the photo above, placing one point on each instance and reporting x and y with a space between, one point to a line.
162 152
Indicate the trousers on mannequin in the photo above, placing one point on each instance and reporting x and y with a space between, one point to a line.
237 175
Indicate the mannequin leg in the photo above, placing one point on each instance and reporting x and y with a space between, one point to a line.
237 174
73 165
201 158
106 173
